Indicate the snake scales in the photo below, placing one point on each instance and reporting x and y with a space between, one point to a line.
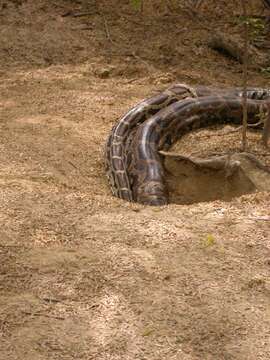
134 166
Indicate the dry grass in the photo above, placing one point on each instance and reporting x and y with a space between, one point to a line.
84 275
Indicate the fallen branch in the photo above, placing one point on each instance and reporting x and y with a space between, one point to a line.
228 46
233 47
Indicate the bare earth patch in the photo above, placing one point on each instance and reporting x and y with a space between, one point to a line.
84 275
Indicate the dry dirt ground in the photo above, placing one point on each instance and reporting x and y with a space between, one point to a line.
84 275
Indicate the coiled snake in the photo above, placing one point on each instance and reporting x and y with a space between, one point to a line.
133 164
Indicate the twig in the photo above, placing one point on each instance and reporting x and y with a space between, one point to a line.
261 154
79 171
84 14
170 6
45 315
142 60
222 133
101 13
256 124
266 3
262 218
266 129
50 300
79 14
107 29
232 131
86 28
198 4
253 16
142 7
245 75
130 81
168 341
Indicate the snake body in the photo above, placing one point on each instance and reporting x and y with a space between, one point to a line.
133 165
115 151
146 172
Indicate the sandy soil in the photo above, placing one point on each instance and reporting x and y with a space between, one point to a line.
84 275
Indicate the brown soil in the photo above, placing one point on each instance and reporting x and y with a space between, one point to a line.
84 275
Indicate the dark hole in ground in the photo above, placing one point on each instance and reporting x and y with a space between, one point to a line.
188 183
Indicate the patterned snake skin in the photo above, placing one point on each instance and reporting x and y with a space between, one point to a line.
134 166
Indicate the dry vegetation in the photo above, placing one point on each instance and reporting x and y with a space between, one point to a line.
84 275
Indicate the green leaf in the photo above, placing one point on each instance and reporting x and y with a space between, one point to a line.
136 4
209 241
147 332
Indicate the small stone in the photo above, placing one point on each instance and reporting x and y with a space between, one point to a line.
103 73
